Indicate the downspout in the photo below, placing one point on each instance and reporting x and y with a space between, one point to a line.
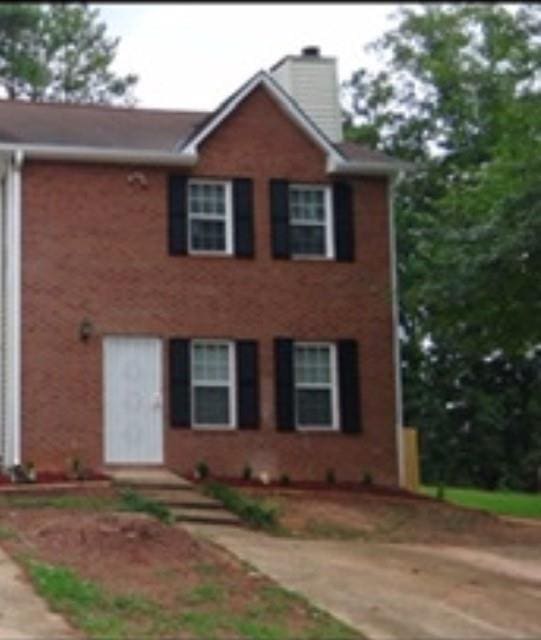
399 414
13 315
3 210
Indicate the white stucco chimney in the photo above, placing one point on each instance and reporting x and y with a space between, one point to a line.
312 81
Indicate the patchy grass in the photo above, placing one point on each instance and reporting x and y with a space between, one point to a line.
121 577
133 501
84 502
6 533
122 616
510 503
89 607
332 531
257 512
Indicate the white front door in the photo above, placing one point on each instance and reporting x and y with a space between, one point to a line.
133 400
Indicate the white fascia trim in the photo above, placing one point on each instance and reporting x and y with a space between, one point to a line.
95 154
399 413
263 78
367 168
13 309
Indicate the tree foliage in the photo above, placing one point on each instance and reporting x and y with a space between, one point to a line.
59 52
459 98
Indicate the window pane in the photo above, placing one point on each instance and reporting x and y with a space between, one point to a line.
207 199
312 365
207 235
307 205
308 240
210 362
211 405
314 407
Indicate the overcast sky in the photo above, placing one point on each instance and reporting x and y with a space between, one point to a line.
192 56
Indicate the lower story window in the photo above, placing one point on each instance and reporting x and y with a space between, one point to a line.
315 385
212 383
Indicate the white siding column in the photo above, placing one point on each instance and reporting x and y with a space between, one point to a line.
13 246
396 338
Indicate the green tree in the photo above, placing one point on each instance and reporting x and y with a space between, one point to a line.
459 97
59 52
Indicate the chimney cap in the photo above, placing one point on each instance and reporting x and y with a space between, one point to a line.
311 51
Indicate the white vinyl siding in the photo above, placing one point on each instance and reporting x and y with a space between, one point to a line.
210 226
213 384
310 221
316 388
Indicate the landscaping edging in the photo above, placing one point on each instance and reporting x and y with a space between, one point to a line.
45 487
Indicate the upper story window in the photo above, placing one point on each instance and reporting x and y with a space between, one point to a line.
310 220
210 228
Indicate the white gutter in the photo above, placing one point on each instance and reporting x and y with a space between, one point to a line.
95 154
13 310
399 413
366 167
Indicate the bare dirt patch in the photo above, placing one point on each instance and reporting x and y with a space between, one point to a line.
204 590
380 518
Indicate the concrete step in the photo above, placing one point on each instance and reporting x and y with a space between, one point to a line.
205 516
181 498
154 478
144 485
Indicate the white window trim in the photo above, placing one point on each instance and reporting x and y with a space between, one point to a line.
228 218
333 385
232 386
328 223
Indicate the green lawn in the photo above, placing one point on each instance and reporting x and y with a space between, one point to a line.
508 503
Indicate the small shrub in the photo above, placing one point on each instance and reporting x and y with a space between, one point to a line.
367 479
330 476
440 491
284 480
255 512
202 469
247 473
133 501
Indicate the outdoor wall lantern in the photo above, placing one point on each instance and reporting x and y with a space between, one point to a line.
86 329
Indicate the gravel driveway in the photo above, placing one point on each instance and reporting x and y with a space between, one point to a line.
389 591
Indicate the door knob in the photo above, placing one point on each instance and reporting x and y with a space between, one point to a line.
157 400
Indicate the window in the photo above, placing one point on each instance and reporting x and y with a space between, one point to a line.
310 221
315 385
209 217
213 382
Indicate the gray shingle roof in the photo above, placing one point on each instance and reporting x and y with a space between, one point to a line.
95 126
107 127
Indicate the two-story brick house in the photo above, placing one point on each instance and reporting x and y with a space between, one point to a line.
181 287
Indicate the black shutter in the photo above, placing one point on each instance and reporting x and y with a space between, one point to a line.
343 222
247 384
279 204
177 204
179 382
348 375
284 384
243 215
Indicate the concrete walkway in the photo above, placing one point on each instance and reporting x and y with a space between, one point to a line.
23 615
394 591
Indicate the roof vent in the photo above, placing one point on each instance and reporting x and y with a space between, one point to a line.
312 52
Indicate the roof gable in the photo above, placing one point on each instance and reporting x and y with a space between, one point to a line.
289 106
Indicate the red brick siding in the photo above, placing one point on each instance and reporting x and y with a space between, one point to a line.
95 246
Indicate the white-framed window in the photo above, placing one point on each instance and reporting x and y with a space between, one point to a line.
310 221
213 383
316 385
210 226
